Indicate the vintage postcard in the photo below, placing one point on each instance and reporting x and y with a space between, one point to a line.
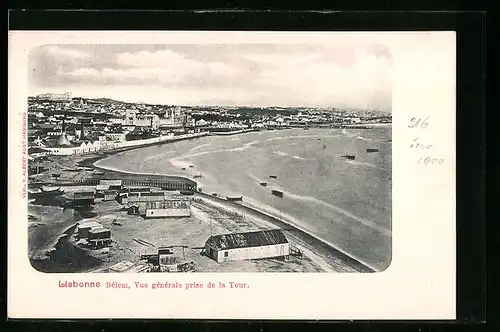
231 175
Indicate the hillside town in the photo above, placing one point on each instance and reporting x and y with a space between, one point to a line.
66 125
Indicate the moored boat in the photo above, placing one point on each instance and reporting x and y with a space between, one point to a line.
234 198
277 193
41 192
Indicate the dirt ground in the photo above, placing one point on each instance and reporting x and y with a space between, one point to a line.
193 231
49 220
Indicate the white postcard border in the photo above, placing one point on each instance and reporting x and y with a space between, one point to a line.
419 283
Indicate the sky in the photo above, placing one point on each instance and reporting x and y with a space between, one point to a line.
259 75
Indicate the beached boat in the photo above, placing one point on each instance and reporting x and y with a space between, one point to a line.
41 192
214 194
234 198
263 184
273 176
186 192
99 173
277 193
350 157
371 150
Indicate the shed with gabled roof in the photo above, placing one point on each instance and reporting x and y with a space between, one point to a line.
248 245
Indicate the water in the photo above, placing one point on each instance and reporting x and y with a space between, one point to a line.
347 203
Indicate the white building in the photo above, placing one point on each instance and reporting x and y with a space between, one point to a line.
56 96
133 118
249 245
63 147
168 208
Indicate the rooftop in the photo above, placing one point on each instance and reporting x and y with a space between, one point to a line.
99 230
248 239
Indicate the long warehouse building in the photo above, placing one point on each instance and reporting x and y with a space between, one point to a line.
249 245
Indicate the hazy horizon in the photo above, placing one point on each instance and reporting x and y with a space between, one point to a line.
350 76
213 105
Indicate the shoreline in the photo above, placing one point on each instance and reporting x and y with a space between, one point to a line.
304 235
318 242
315 242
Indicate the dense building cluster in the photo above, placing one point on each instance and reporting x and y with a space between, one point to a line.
62 124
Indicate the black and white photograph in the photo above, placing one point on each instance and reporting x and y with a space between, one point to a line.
225 157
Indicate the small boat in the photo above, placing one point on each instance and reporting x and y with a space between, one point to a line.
191 166
273 176
197 176
214 194
277 193
306 128
99 173
184 168
45 192
350 157
371 150
234 198
263 184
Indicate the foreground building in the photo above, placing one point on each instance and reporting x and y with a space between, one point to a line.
249 245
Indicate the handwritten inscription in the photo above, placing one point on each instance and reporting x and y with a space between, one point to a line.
429 161
420 144
418 123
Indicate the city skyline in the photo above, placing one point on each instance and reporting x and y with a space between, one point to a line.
318 76
214 106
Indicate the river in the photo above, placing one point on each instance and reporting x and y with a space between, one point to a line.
346 203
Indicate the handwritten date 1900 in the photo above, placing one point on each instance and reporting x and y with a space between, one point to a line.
430 161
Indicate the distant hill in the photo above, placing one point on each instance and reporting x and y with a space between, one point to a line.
236 109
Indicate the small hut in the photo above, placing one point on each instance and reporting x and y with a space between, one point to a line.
133 210
99 237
